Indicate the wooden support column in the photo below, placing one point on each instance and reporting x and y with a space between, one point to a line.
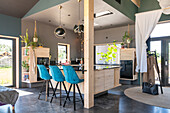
89 53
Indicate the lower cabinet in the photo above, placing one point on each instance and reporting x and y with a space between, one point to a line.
99 81
106 79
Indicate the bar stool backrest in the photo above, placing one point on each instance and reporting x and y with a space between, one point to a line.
56 74
70 75
43 72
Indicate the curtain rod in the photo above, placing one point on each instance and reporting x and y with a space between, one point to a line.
152 11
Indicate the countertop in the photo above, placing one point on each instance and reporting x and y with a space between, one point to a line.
78 67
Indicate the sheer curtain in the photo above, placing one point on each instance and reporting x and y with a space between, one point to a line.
145 23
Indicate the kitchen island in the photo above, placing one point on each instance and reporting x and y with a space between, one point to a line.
105 77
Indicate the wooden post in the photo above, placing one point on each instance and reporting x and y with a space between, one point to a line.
89 53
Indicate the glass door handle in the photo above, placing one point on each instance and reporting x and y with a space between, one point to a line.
166 62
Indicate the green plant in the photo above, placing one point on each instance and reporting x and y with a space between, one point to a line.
25 39
25 65
157 54
110 54
122 43
33 45
126 38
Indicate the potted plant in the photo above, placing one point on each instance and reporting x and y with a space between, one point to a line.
122 45
126 39
35 38
26 41
25 65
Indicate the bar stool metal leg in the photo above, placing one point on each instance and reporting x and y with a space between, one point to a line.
41 90
60 93
48 89
80 94
54 92
74 102
46 95
51 85
67 95
65 90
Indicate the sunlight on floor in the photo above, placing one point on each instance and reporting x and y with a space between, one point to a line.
23 93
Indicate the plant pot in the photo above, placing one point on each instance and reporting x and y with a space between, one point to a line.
35 39
122 46
25 70
26 52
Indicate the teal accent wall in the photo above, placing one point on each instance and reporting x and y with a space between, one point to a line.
126 7
11 26
148 5
44 4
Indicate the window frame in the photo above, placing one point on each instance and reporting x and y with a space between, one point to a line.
67 51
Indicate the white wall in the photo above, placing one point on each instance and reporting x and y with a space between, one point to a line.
113 34
47 38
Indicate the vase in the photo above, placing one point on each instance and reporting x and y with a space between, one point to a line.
26 51
35 39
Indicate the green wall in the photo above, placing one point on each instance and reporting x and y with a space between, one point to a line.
44 4
126 7
148 5
11 26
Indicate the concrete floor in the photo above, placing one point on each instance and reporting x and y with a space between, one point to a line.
114 102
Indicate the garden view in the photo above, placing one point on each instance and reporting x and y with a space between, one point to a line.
6 78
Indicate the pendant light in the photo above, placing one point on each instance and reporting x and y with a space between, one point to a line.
35 38
60 32
80 27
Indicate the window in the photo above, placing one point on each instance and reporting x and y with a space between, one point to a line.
63 53
161 30
104 49
6 62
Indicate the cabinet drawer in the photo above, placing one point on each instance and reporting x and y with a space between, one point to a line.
109 79
99 80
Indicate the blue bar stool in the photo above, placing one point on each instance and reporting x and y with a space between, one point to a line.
59 78
72 78
45 76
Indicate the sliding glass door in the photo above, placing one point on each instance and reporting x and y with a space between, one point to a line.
160 42
6 62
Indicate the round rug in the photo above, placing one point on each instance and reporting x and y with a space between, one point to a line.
161 100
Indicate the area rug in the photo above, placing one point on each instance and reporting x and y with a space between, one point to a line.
161 100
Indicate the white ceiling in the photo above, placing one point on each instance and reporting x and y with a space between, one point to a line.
71 8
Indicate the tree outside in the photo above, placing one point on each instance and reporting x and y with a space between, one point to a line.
6 75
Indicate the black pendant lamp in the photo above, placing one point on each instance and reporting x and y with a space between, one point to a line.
60 32
80 27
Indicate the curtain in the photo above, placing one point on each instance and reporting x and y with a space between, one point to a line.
165 4
145 23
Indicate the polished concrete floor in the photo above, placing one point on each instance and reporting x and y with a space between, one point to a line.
114 102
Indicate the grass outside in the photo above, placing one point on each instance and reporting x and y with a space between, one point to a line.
6 76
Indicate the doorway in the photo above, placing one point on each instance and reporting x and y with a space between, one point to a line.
160 42
7 62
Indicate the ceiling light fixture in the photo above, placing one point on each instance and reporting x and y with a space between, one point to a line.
79 28
95 24
104 13
60 32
